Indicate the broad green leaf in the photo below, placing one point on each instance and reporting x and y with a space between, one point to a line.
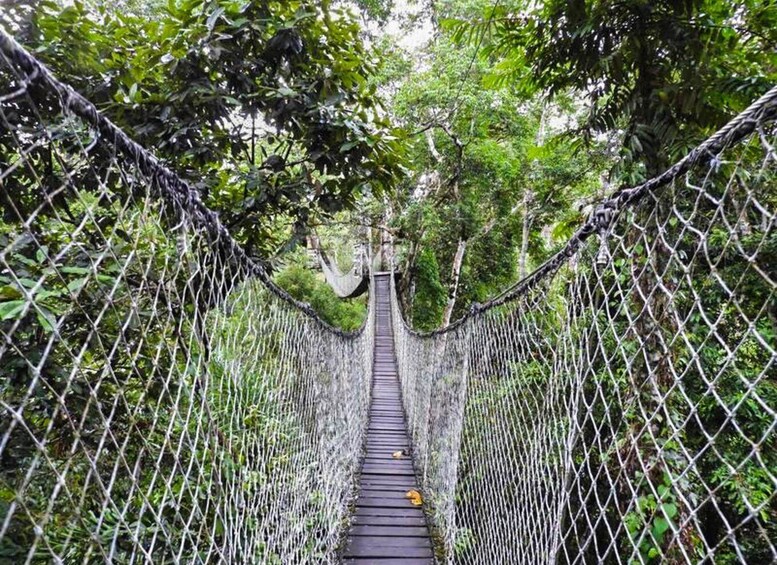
10 292
75 270
11 309
660 525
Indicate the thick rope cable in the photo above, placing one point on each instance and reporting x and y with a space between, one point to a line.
763 109
177 192
619 404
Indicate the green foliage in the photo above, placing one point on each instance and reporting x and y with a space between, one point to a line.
379 10
665 73
721 388
430 295
304 285
491 264
488 164
60 283
250 362
651 520
267 108
465 539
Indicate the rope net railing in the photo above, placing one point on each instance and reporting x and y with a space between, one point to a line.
351 283
160 399
620 404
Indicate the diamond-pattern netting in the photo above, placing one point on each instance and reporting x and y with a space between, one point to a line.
160 399
620 405
348 284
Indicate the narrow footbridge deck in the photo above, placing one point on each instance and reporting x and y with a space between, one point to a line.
387 527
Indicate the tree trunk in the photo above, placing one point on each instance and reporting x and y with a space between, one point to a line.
432 148
528 196
458 261
407 282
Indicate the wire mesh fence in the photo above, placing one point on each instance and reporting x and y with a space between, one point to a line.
620 405
160 399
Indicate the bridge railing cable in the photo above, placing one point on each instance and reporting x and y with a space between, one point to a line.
161 399
619 405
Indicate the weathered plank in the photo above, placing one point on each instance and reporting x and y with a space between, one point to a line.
389 561
396 521
387 480
388 511
393 531
388 551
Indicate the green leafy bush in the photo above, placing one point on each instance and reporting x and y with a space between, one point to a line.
304 285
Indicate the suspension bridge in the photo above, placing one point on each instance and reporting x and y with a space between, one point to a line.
350 284
163 401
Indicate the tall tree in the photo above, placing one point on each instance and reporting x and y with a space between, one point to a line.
476 163
267 108
662 73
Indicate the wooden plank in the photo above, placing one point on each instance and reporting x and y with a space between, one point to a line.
395 485
387 480
392 446
389 541
388 471
384 500
384 490
397 521
413 512
388 551
386 457
391 531
387 465
387 561
409 511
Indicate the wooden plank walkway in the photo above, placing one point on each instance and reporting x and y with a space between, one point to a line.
387 528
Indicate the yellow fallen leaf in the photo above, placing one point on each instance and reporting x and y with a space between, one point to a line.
415 497
397 455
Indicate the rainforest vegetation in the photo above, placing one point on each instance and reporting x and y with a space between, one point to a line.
470 138
477 144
